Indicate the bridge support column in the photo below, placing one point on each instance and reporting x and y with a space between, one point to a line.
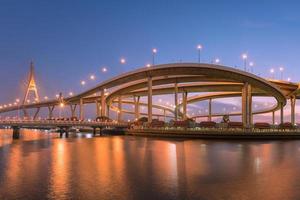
94 131
209 109
164 115
176 101
293 106
273 117
247 105
100 132
81 110
119 109
36 113
67 132
281 113
61 132
98 108
50 109
136 107
103 112
107 110
184 104
73 110
16 132
149 99
25 113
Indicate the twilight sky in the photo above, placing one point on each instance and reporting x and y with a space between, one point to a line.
69 40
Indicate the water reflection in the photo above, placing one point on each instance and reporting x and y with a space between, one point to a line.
43 166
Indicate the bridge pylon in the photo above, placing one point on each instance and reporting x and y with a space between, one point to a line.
30 88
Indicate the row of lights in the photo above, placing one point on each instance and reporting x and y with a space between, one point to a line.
281 69
104 70
199 48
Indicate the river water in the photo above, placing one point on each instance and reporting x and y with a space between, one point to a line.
42 166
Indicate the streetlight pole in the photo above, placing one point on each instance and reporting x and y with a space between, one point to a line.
281 72
199 48
251 64
154 51
272 73
245 56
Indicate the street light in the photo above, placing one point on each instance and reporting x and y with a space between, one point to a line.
148 65
199 48
251 64
104 69
281 69
272 72
123 61
82 82
92 77
289 79
154 51
244 57
70 93
217 60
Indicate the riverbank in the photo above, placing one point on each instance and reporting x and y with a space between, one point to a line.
216 134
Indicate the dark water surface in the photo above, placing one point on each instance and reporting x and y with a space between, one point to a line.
42 166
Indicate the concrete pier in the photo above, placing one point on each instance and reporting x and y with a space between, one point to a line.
16 132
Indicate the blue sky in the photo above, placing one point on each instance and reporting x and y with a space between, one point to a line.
69 40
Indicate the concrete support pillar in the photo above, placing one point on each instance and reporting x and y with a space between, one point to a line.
94 131
25 113
119 109
16 132
103 112
293 106
137 107
247 105
36 113
281 113
98 108
149 99
107 110
165 115
50 109
209 109
73 110
184 104
273 117
176 101
81 109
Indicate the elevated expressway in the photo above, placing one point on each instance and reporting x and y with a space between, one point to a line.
214 81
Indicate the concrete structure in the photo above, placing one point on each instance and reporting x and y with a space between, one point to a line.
179 78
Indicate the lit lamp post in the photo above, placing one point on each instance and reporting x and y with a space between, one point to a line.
104 69
251 64
244 57
154 51
199 48
272 73
92 77
281 69
123 61
217 60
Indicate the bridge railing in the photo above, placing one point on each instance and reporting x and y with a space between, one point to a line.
60 122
